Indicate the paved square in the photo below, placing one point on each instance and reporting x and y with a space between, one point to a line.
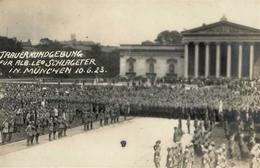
100 148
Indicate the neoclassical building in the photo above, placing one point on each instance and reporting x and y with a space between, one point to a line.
221 49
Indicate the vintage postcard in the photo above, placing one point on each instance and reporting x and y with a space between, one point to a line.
130 84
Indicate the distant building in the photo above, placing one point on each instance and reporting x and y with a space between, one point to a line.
151 61
221 49
27 45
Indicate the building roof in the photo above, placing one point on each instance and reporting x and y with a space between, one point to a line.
222 27
136 47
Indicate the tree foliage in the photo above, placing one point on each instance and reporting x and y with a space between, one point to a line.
168 37
8 44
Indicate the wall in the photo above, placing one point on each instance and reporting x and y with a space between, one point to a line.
161 67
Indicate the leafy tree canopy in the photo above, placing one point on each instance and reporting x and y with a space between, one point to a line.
168 37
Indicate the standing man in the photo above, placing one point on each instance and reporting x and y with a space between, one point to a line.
112 115
50 127
5 127
176 135
107 114
231 146
117 112
196 123
157 154
60 127
85 120
101 117
188 123
92 118
212 154
169 161
10 129
55 127
29 132
127 110
205 161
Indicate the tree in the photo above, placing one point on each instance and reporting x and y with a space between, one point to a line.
8 44
49 45
147 42
168 37
96 50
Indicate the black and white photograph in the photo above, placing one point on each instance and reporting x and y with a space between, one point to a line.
129 83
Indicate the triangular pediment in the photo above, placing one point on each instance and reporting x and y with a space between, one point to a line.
222 27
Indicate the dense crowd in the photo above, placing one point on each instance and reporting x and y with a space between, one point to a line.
43 105
240 145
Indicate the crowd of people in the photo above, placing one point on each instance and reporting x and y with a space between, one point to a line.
51 108
203 147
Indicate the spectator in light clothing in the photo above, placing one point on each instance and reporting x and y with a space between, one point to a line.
5 130
10 129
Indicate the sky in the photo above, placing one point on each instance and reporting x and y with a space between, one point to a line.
114 22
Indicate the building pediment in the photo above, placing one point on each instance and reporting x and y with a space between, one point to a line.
223 27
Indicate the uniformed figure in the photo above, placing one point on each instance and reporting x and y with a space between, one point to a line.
117 113
157 154
50 128
169 161
85 120
107 115
127 110
92 119
212 154
219 163
251 141
255 162
255 150
205 161
196 123
187 160
157 145
207 138
178 151
195 141
55 127
60 127
157 158
188 124
221 159
10 129
66 125
30 133
231 147
37 131
240 126
88 119
243 147
176 135
112 116
101 117
5 128
180 124
191 151
175 157
226 129
251 127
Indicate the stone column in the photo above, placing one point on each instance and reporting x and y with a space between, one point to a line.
251 63
206 59
240 55
186 61
228 60
196 60
217 60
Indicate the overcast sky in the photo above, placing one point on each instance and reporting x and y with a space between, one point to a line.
113 22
